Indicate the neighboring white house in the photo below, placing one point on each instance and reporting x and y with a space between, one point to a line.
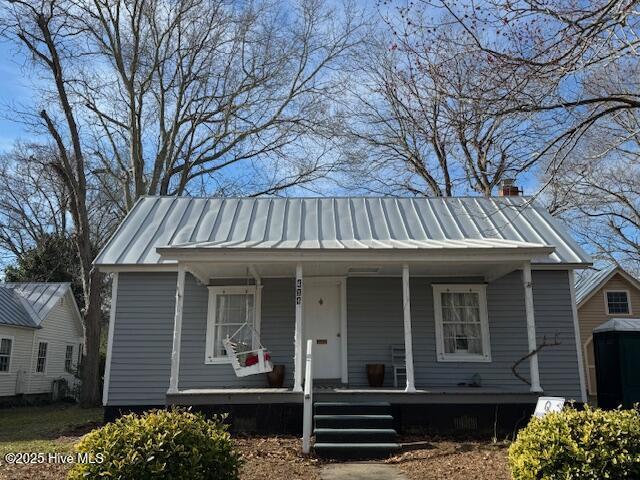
41 337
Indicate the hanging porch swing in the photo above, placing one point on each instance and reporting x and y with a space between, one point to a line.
244 348
245 359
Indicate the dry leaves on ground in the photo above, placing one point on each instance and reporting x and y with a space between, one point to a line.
440 460
271 458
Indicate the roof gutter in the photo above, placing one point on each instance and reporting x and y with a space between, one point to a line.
267 255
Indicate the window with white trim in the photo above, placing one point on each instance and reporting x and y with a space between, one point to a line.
6 346
232 313
462 326
41 362
79 361
68 359
617 302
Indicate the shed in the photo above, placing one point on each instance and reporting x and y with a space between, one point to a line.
617 355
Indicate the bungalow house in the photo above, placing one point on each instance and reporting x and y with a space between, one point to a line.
41 339
462 292
602 295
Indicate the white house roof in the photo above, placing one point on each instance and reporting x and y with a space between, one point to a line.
28 304
336 224
591 281
619 325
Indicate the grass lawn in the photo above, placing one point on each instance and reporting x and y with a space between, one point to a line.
51 428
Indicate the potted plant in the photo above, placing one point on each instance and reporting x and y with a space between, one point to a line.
276 376
375 374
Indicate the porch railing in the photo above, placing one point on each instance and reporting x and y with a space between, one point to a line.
307 417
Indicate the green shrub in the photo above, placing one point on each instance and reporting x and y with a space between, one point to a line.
572 444
171 445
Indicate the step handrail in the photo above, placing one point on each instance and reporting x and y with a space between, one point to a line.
307 416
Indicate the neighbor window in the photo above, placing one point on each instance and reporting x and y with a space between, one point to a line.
618 302
6 344
80 346
232 313
41 362
68 359
462 327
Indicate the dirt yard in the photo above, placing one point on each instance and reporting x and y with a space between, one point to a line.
56 429
277 458
460 460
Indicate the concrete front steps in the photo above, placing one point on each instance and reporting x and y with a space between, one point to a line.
354 430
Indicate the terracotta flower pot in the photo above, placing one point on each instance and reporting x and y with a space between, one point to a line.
276 376
375 374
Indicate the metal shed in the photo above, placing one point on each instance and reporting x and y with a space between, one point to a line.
617 355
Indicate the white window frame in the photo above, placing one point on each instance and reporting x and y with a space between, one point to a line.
617 290
13 342
73 349
46 358
79 355
481 290
214 291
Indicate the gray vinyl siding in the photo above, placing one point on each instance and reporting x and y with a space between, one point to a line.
554 319
375 322
142 338
141 354
277 326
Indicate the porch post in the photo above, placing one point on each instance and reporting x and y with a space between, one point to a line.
408 341
297 359
531 328
177 330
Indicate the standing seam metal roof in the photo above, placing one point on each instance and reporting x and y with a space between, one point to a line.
15 311
338 224
28 304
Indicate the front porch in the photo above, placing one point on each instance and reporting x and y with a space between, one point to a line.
355 312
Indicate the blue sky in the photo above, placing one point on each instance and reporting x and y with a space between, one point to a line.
15 90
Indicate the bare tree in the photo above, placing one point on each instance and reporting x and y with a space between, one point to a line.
153 97
597 190
32 201
428 117
43 29
553 48
185 93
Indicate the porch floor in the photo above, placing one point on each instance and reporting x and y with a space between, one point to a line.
435 394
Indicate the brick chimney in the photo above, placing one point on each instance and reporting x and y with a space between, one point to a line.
508 189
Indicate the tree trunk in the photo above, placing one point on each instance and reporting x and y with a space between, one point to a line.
91 394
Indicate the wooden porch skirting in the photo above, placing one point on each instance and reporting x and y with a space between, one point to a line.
470 420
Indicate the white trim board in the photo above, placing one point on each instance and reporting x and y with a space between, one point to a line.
112 321
576 331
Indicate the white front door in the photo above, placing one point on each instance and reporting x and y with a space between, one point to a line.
322 309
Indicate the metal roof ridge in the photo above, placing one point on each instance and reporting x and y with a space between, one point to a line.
532 198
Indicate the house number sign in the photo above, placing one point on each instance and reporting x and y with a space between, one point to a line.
299 291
